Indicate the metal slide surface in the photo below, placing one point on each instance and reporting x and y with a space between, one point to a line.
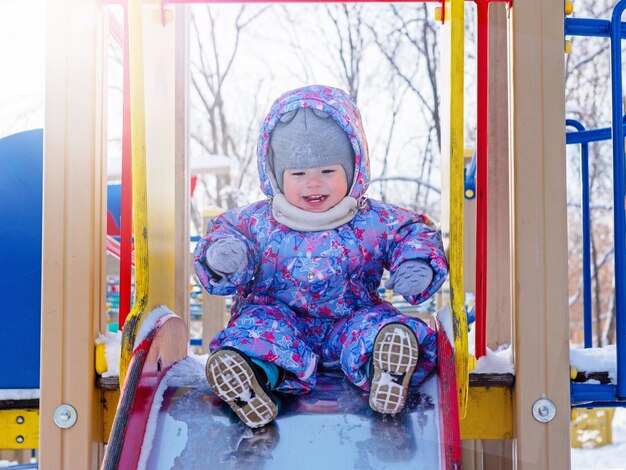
331 427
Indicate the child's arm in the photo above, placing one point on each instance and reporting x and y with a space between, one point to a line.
226 257
415 248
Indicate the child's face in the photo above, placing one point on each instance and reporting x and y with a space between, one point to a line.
315 189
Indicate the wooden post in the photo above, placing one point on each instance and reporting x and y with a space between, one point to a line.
539 232
182 171
213 312
159 79
73 232
498 264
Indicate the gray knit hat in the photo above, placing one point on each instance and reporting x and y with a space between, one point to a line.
308 138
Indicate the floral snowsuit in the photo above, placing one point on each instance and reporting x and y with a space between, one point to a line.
307 297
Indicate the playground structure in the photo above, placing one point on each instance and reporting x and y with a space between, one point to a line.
527 268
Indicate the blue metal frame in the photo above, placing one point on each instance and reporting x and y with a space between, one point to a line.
470 179
618 193
585 394
586 231
591 27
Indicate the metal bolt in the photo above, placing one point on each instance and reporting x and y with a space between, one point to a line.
19 420
544 410
19 439
65 416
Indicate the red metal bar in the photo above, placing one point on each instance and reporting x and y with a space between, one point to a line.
126 216
482 128
449 412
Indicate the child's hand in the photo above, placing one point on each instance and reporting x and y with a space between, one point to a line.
410 278
226 256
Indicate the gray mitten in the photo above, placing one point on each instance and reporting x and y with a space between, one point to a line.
226 256
410 278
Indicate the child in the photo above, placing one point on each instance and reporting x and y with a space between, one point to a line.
305 266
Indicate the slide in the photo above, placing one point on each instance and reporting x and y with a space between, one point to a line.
168 417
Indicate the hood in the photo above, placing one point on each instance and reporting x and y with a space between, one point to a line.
341 107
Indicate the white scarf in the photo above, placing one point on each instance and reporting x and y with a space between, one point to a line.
305 221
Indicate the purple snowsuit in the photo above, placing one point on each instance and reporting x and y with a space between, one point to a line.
307 297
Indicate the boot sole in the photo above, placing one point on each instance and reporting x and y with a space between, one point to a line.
394 358
233 379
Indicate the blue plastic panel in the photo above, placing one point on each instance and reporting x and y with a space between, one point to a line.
21 160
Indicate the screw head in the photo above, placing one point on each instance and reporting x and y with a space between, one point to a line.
19 420
544 410
65 416
19 439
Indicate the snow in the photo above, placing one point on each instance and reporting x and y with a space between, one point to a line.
386 379
149 322
499 361
595 360
112 347
19 393
610 457
187 372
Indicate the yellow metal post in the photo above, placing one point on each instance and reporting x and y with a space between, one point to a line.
152 74
459 318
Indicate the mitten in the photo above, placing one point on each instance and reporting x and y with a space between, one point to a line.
410 278
226 256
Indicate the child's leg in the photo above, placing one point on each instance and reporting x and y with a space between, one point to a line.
238 381
278 337
351 343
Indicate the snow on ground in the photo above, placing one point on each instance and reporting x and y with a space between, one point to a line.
610 457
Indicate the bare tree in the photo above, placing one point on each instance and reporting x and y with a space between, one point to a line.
211 70
367 50
349 43
408 40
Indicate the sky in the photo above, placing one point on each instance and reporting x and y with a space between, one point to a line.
22 65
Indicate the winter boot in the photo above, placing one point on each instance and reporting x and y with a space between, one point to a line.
242 385
394 360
